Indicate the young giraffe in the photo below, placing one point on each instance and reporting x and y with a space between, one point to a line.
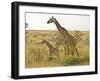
69 40
52 50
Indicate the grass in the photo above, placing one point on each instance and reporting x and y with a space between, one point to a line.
37 54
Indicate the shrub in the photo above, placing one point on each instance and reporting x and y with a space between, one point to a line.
72 60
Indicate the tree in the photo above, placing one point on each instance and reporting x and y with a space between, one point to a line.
26 25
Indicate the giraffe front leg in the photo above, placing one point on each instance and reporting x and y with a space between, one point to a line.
68 51
72 51
65 51
50 55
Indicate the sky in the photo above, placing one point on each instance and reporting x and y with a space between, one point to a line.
38 21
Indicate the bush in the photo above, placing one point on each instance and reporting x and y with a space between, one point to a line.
72 60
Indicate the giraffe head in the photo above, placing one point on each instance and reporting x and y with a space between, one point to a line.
52 19
43 41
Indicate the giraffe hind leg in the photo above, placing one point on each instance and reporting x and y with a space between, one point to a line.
77 52
50 55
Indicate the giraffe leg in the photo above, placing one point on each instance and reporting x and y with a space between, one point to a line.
73 50
50 55
58 57
77 52
72 53
68 50
65 51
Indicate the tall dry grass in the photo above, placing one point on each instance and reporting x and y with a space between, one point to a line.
37 54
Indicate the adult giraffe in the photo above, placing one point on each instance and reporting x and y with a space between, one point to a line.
70 41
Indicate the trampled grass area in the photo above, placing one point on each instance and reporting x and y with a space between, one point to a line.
37 54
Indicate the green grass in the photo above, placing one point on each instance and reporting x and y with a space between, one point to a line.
37 54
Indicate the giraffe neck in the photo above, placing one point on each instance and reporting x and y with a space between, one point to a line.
62 30
48 44
57 24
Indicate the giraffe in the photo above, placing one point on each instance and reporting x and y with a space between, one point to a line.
52 50
70 41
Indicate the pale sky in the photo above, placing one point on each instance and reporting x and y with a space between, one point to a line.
38 21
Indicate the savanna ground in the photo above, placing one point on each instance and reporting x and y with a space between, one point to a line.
37 54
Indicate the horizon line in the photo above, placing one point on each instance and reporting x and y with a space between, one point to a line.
54 30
